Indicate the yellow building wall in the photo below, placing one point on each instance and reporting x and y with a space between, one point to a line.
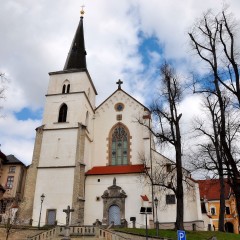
229 218
18 182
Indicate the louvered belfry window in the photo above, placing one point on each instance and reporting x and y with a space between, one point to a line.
119 151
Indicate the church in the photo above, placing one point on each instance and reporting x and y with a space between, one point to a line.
88 157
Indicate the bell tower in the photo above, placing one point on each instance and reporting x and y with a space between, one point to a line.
63 147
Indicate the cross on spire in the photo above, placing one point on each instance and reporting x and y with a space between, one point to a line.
68 212
82 10
119 82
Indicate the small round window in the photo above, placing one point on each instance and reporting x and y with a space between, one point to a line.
119 107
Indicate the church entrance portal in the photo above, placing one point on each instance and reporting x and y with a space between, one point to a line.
114 205
114 215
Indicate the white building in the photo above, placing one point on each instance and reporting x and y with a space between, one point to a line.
87 157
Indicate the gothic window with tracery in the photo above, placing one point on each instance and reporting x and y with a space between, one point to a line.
62 117
119 146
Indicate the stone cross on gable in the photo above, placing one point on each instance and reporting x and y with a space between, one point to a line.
119 82
68 212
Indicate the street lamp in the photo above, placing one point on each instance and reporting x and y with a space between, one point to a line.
146 211
42 198
157 223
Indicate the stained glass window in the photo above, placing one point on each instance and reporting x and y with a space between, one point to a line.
119 107
119 151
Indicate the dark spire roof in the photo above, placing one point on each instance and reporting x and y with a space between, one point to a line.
77 55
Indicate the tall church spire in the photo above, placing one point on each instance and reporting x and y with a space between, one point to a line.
77 54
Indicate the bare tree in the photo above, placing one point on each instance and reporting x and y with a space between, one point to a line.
213 40
213 37
10 221
210 154
166 129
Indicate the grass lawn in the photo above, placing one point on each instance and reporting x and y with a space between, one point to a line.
189 234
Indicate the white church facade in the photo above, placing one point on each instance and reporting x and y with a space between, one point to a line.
87 156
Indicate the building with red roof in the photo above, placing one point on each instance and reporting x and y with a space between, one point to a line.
210 198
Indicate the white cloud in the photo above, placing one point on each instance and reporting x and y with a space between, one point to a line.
36 37
17 137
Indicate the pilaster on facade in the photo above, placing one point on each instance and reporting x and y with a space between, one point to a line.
79 178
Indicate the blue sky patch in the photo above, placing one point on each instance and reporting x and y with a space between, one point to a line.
147 45
27 113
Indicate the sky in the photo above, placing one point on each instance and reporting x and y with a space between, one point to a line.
127 40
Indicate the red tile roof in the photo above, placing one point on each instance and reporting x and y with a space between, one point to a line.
123 169
210 189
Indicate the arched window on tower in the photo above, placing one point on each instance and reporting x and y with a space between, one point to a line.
62 117
63 88
119 145
68 88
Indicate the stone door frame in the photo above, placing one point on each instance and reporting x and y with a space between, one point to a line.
114 195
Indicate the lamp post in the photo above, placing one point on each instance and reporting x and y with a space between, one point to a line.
146 211
157 223
42 198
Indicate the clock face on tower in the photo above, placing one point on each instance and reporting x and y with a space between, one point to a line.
119 107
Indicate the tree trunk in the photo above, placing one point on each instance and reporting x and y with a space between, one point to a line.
179 190
235 185
221 226
180 204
